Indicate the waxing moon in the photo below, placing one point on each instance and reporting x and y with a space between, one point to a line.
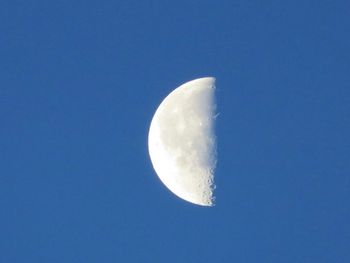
181 141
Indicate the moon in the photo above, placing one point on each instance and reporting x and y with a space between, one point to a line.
182 142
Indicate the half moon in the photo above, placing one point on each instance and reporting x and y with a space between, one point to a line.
181 141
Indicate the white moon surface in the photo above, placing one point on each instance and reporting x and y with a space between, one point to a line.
182 142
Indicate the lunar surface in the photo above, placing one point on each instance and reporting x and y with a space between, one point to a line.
182 143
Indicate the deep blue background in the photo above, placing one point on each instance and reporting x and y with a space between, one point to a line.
79 84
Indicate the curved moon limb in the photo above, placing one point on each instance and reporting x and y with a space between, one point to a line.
182 143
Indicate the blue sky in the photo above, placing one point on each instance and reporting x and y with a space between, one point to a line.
79 84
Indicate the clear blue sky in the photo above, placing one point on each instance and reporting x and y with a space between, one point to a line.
79 83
